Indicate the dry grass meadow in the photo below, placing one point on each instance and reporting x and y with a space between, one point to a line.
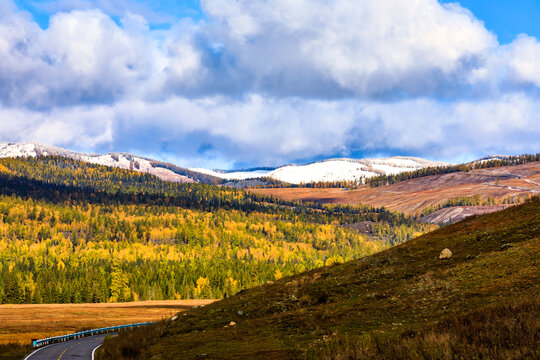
411 196
22 323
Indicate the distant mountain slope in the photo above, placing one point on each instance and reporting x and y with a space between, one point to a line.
405 302
497 185
119 160
331 170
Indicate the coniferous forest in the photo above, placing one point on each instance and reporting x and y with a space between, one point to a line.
77 232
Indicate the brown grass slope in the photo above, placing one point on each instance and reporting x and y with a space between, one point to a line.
20 323
401 303
411 196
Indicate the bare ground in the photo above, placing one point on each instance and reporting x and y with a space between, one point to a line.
457 213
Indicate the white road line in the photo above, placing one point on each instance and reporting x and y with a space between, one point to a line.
94 351
35 351
41 348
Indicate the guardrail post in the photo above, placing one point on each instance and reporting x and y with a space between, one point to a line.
81 334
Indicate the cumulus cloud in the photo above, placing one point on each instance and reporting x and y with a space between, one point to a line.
80 126
81 57
367 47
262 130
267 82
523 59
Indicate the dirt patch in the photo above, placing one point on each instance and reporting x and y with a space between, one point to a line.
454 214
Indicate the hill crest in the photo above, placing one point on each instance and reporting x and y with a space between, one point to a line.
329 170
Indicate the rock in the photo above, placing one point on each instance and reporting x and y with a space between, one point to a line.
174 318
240 312
445 254
232 323
270 282
505 246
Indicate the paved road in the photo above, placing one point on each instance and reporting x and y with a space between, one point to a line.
79 349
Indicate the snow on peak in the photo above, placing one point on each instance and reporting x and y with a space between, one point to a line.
331 170
17 150
123 161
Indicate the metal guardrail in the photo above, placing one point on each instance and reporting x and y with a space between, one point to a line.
77 335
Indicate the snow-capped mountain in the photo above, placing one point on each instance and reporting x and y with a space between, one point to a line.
123 160
321 171
490 158
330 170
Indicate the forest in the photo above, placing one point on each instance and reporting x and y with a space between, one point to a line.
73 232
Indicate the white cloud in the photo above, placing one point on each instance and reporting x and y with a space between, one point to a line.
524 59
506 124
80 126
82 56
368 47
257 130
264 82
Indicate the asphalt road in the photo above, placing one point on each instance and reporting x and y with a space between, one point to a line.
78 349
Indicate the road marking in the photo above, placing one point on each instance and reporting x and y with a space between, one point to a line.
94 351
41 348
63 352
35 351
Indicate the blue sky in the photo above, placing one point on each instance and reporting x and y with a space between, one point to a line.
507 19
260 83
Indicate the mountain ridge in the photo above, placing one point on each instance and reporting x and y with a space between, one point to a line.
327 170
120 160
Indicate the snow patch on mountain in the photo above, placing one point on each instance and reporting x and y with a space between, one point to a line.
123 161
17 150
331 170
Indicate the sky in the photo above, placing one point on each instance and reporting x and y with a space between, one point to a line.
244 83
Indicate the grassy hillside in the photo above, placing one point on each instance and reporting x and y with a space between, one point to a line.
401 303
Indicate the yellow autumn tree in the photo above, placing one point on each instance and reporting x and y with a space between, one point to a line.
203 291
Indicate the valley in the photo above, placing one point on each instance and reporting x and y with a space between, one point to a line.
269 180
106 245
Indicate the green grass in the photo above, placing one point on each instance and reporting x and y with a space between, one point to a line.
403 302
14 351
